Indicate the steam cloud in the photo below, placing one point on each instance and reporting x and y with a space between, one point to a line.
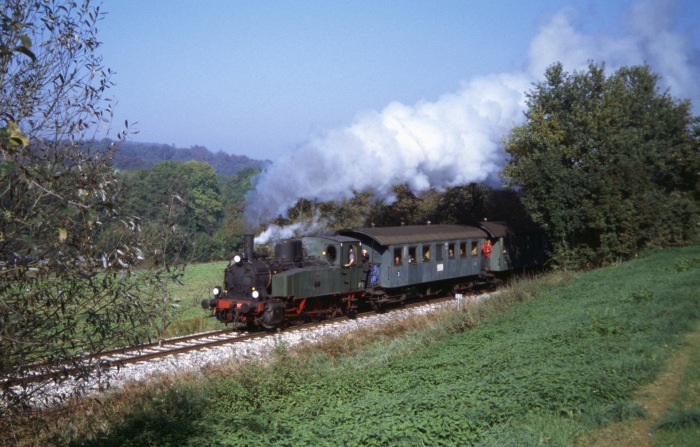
456 139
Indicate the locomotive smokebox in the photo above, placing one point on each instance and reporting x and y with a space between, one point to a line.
248 245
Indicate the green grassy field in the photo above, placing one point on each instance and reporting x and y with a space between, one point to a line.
197 283
551 362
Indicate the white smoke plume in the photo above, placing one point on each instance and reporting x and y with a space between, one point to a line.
452 141
303 227
456 139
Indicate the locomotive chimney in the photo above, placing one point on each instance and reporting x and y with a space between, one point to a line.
248 245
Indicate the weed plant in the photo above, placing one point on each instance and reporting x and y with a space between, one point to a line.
543 364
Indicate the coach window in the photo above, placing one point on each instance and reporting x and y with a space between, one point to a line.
411 255
398 259
439 252
451 250
475 248
426 253
462 249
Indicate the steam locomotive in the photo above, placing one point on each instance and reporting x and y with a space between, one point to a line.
320 277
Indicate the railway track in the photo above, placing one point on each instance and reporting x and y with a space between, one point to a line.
116 358
123 356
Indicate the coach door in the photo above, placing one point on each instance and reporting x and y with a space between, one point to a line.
398 268
473 257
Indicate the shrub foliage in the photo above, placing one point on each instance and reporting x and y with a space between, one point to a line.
61 293
608 165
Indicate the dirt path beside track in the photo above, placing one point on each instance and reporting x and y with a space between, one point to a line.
656 398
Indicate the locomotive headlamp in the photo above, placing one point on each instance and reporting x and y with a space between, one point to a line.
237 259
255 294
216 291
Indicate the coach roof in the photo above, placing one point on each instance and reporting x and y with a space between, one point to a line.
412 234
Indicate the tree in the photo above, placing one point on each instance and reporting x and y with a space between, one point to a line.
404 210
148 193
607 165
229 235
194 184
61 294
182 198
461 204
203 197
234 189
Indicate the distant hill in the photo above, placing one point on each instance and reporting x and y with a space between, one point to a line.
134 155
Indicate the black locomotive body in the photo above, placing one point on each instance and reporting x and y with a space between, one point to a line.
317 277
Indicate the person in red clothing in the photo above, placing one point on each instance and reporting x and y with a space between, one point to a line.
486 249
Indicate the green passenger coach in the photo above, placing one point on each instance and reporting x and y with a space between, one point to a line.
412 255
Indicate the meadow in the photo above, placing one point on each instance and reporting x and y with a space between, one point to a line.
197 282
568 359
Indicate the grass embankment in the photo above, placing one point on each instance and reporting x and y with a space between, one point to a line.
557 362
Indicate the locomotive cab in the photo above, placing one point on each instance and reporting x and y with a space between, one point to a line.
334 250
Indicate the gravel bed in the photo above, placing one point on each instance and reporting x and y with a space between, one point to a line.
258 349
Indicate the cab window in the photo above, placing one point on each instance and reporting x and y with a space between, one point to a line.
353 257
331 254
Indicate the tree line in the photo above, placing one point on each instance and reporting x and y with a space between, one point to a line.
134 155
202 211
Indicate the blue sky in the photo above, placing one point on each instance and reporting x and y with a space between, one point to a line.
261 77
366 94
